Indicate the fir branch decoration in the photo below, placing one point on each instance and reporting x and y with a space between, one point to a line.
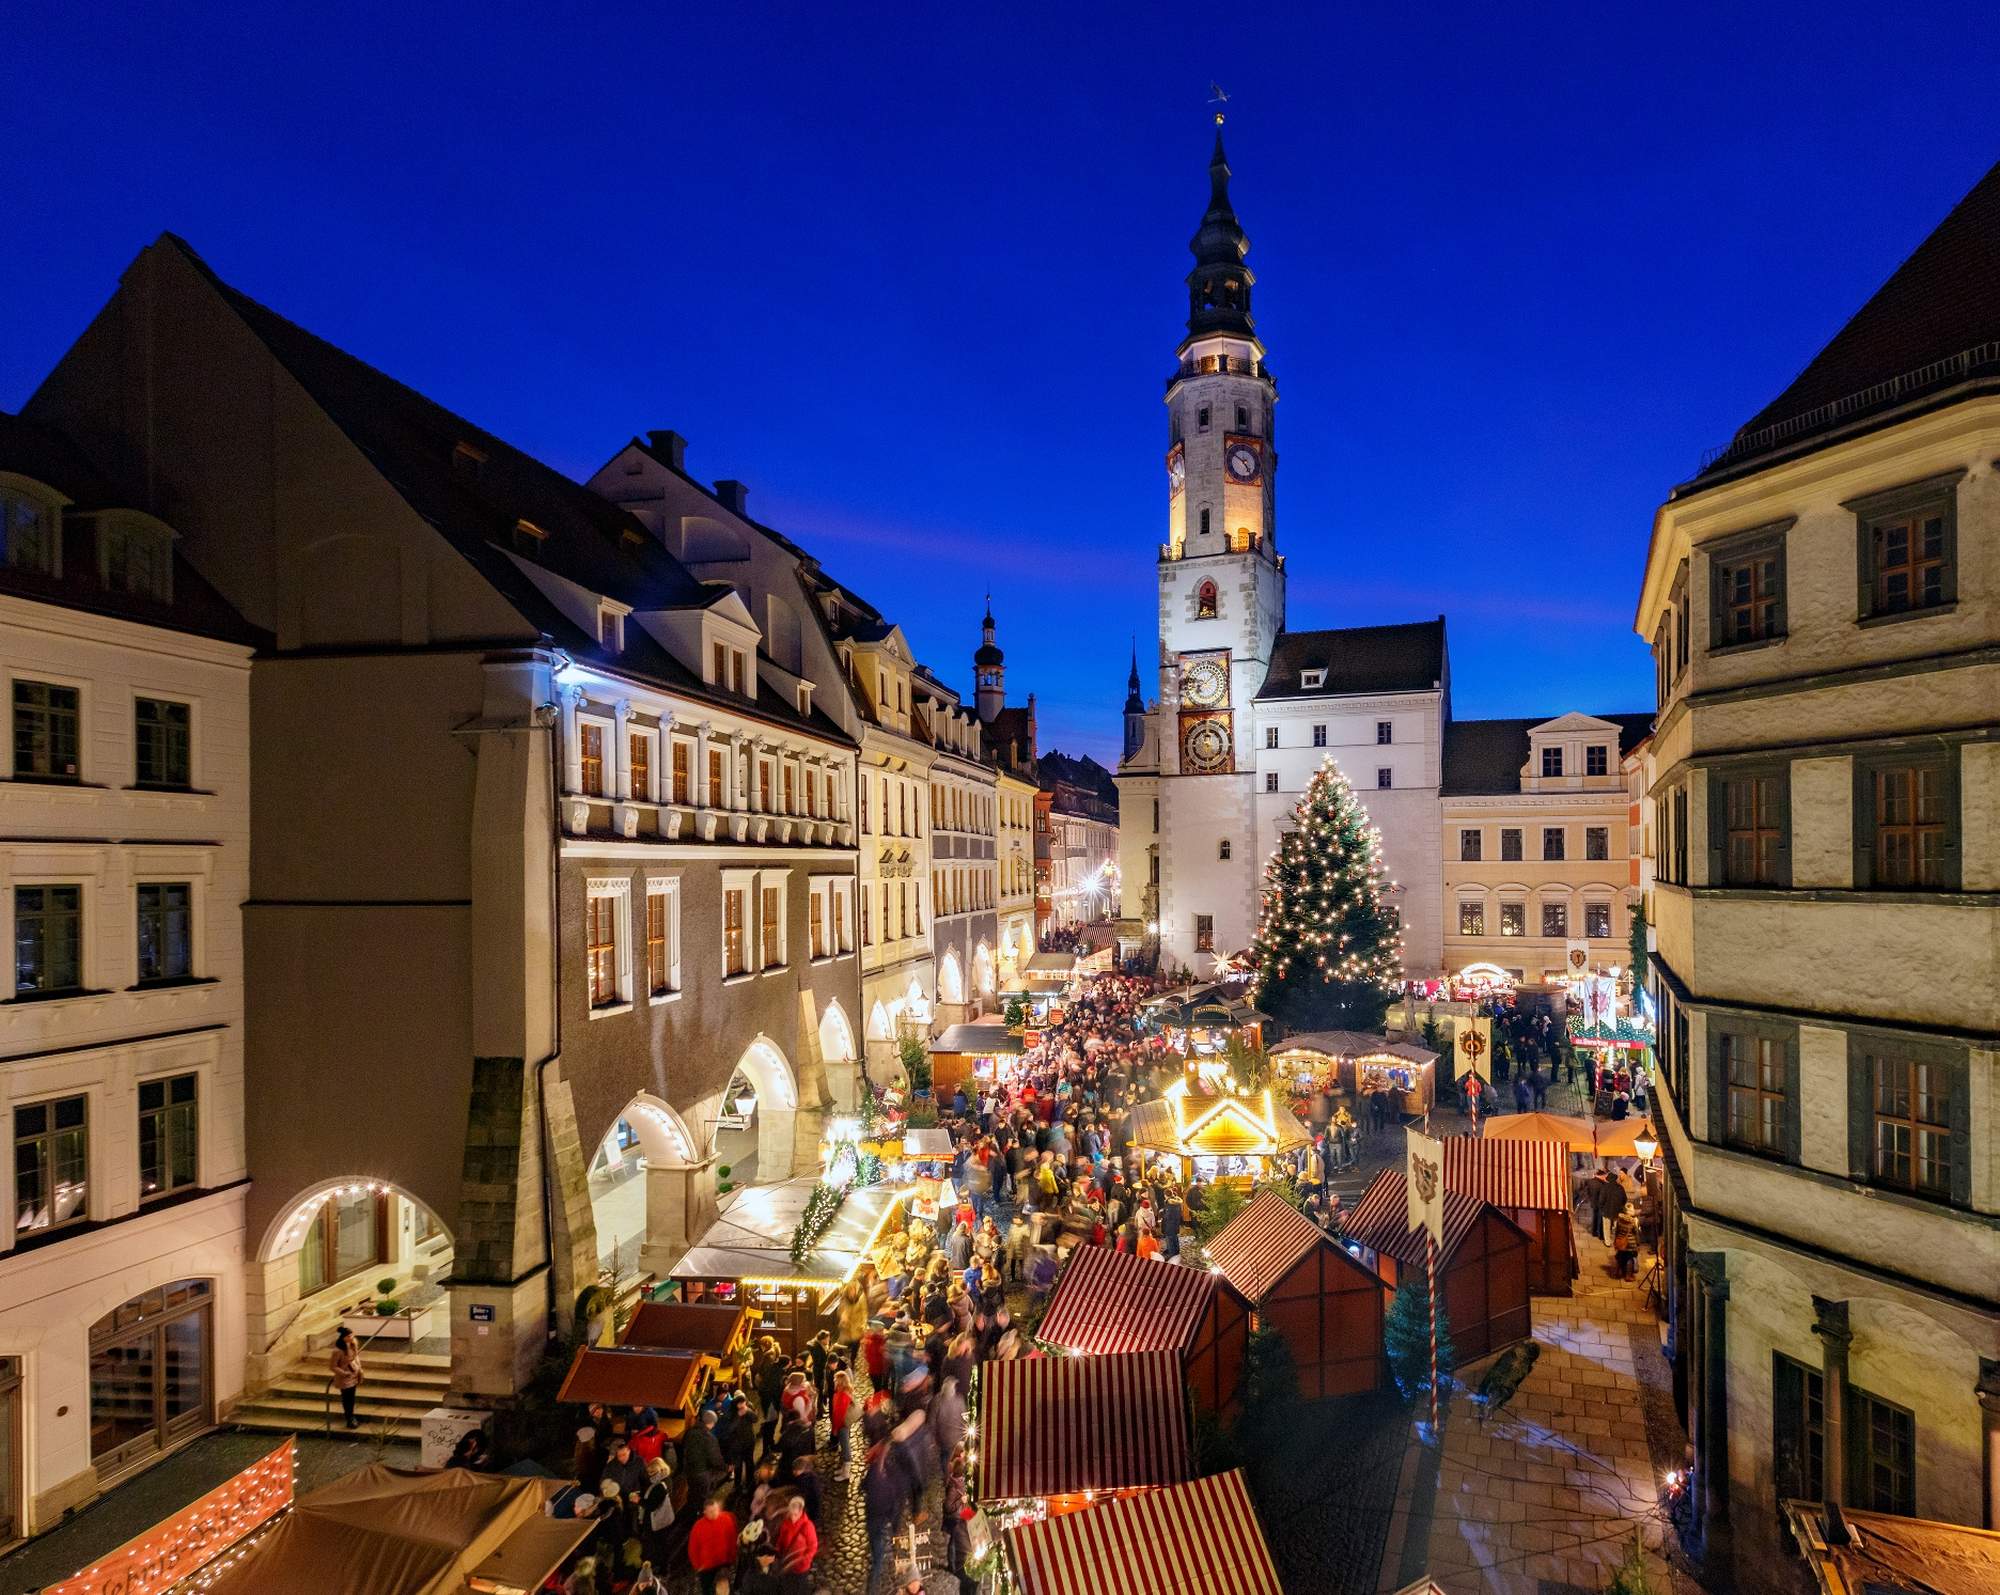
822 1205
1328 952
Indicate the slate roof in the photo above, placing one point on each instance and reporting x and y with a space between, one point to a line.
1009 738
47 455
1941 303
412 442
1085 773
1357 659
1487 755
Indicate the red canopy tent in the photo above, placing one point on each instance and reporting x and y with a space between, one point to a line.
1059 1426
1110 1301
1529 1182
1482 1261
1201 1538
1310 1290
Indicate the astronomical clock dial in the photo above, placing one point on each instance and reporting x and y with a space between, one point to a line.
1205 683
1205 746
1176 469
1242 462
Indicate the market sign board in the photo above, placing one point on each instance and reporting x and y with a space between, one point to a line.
194 1536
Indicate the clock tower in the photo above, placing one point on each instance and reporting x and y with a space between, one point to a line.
1222 590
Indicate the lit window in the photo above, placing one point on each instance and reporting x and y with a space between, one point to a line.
640 751
1513 919
610 629
1555 919
51 1164
735 948
1472 918
1204 604
663 937
590 739
169 1127
602 948
1597 920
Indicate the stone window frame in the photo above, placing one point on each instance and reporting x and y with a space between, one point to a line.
1519 907
617 889
1471 844
1863 1044
1752 1028
1724 555
668 887
1945 759
1601 835
1472 908
1270 780
1871 510
1270 741
1719 778
1560 833
1517 833
1595 905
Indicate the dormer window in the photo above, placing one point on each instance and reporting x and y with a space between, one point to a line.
467 459
136 558
611 628
528 539
1312 678
29 532
1552 761
805 698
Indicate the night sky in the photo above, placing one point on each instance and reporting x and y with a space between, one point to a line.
917 279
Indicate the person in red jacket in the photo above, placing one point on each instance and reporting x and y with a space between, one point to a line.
712 1543
797 1539
841 1406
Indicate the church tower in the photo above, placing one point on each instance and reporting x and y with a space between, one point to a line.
989 672
1135 709
1222 593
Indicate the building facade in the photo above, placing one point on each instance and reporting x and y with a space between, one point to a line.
1823 601
1538 845
1010 737
1082 840
124 863
965 837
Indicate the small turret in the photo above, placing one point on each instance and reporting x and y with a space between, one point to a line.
989 671
1135 706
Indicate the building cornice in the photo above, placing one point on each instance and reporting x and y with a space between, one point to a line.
110 631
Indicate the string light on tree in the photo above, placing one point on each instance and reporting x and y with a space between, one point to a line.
1328 953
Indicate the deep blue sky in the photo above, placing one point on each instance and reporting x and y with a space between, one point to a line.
917 279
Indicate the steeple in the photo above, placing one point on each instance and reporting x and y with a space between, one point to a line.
1135 707
989 671
1219 285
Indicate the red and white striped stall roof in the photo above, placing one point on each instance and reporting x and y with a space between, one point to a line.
1381 1219
1259 1246
1509 1174
1062 1425
1110 1301
1201 1538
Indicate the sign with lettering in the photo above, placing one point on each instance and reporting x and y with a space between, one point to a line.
194 1536
482 1312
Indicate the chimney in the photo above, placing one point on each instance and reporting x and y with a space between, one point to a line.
671 447
732 493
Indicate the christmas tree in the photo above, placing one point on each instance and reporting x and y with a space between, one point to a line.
1406 1335
1328 953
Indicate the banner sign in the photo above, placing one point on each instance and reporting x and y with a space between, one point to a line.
194 1536
1426 1184
1576 962
1474 1040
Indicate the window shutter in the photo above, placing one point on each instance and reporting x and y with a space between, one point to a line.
1718 1087
1960 1068
1718 828
1860 1110
1853 1442
1788 1440
1792 1104
1952 854
1783 785
1864 569
1864 825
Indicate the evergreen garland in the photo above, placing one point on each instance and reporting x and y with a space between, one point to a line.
822 1204
1327 953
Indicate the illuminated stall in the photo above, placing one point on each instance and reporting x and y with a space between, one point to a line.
1214 1134
973 1055
1356 1065
1199 1022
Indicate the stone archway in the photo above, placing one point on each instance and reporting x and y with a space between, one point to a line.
951 979
764 1065
982 970
881 1027
647 1226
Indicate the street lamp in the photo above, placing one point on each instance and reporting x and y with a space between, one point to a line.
1646 1142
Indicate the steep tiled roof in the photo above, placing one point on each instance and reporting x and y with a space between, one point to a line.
1487 755
1085 774
1357 659
1941 304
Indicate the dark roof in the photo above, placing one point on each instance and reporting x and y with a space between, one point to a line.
1010 737
1086 774
1934 324
1358 659
413 442
1487 755
47 455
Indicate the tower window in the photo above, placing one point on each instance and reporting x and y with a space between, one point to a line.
1270 780
1319 736
1242 419
1201 419
1385 732
1270 736
1204 523
1385 778
1222 849
1204 599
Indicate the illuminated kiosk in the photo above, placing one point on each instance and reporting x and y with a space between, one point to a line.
1354 1064
745 1256
973 1055
1215 1135
1199 1021
668 1358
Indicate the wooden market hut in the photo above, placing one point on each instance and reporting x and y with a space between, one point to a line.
1108 1302
1214 1134
1181 1538
1052 1428
1312 1291
969 1054
669 1381
709 1329
1529 1182
1356 1064
1482 1262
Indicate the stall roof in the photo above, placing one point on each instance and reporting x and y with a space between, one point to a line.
989 1040
1381 1219
928 1141
1062 1425
1110 1301
632 1376
1050 964
1261 1244
712 1328
1602 1137
1353 1044
1895 1553
1513 1173
1201 1538
1216 1125
403 1531
753 1237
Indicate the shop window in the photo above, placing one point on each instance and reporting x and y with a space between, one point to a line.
161 743
1472 918
1510 845
166 939
348 1234
51 1164
149 1374
169 1134
47 729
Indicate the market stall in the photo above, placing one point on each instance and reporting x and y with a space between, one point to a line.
1482 1261
1357 1065
745 1258
1046 974
401 1531
1528 1180
669 1381
1312 1292
1590 1137
1056 1432
1200 1021
971 1055
1108 1302
710 1329
1184 1538
1213 1134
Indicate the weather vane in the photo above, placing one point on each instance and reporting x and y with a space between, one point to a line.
1217 99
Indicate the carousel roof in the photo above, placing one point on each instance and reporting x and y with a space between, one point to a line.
1200 1123
753 1237
1354 1044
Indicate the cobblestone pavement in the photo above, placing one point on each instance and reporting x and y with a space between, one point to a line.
1547 1493
163 1489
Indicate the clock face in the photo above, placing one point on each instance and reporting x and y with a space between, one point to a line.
1242 462
1205 683
1205 746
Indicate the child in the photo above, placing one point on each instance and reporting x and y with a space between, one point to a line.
842 1405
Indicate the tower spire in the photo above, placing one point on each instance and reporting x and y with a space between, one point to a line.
1219 285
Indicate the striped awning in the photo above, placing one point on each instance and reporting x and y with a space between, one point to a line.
1189 1539
1110 1301
1260 1245
1381 1219
1508 1173
1062 1425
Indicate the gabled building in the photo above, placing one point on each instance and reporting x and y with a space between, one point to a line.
1081 833
1010 736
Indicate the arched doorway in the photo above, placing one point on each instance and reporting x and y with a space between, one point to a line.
758 1116
951 979
880 1026
982 970
836 1036
646 1139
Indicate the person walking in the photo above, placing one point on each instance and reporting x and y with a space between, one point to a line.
701 1456
1540 1084
711 1547
345 1365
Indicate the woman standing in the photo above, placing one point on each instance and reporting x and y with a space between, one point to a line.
345 1364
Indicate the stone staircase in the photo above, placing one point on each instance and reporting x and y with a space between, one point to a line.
398 1388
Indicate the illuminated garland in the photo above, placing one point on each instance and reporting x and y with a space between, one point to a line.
822 1206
